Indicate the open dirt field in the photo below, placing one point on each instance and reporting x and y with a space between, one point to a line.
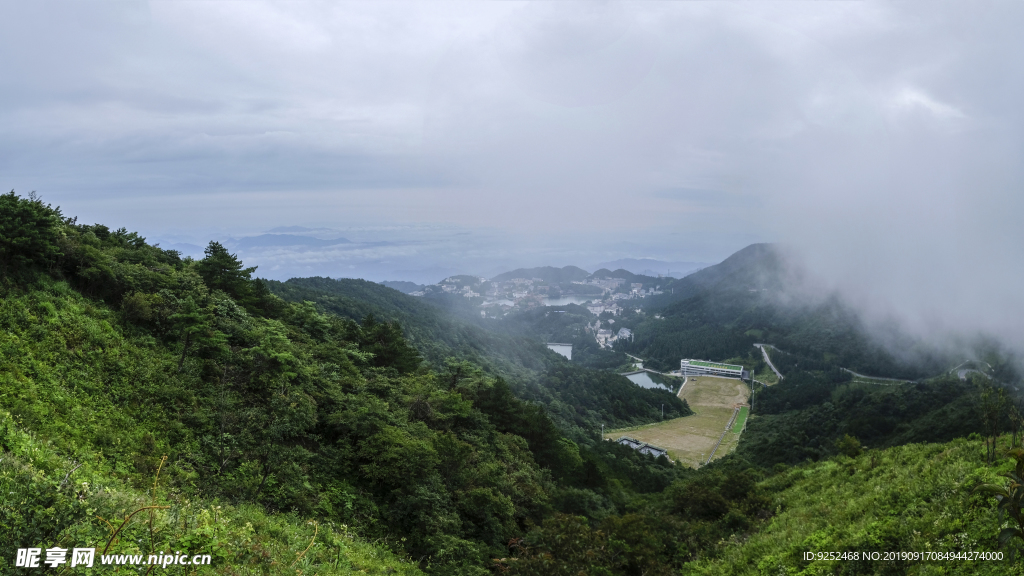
687 439
711 391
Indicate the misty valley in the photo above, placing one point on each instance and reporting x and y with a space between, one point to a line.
516 288
542 421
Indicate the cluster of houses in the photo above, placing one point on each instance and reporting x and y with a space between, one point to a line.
606 337
498 298
455 287
612 302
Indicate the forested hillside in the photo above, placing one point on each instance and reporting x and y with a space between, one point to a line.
151 403
152 370
580 399
754 296
917 499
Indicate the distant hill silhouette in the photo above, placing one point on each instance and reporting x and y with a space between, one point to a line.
546 273
403 286
273 240
652 267
647 281
755 295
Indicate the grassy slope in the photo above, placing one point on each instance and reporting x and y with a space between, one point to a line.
915 497
78 386
42 509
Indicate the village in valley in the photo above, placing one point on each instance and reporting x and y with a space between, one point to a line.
605 307
602 294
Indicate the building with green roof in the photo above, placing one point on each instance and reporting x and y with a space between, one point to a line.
691 367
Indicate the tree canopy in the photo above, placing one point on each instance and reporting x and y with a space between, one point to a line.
29 234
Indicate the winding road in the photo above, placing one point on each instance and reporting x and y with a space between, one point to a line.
767 359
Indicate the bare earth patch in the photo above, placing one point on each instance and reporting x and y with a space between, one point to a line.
691 438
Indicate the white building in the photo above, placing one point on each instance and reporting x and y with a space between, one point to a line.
701 367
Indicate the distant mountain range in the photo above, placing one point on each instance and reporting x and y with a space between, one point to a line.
552 275
632 269
300 230
546 273
275 240
569 274
403 286
652 267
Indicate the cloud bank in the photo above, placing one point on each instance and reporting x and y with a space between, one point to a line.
882 140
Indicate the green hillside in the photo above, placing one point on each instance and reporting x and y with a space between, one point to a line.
79 498
753 296
803 416
578 398
150 403
647 281
719 312
188 385
916 498
403 286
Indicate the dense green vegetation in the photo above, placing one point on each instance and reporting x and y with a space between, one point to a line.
803 416
403 286
343 427
51 499
912 498
118 353
580 396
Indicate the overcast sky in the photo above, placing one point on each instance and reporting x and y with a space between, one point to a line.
883 140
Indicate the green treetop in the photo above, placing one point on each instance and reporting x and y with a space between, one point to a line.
222 270
29 231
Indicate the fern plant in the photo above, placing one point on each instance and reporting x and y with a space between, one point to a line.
1009 498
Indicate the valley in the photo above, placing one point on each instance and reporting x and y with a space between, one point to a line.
349 428
692 439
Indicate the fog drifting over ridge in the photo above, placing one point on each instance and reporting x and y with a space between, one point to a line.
881 140
907 196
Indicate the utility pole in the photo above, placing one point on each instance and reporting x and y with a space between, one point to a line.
662 411
602 431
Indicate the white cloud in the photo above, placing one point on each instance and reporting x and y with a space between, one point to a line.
910 99
883 137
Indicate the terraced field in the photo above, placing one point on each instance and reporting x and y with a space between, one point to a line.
691 439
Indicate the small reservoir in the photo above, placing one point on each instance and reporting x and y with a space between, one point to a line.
563 349
647 379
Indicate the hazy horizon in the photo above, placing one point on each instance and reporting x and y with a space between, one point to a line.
880 140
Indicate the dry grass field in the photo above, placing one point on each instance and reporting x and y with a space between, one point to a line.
691 438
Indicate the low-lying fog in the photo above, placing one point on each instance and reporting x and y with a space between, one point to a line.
882 141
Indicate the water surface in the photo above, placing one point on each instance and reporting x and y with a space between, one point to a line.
649 380
563 349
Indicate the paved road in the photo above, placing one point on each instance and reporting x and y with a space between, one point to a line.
769 360
772 366
963 372
639 361
722 437
875 377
